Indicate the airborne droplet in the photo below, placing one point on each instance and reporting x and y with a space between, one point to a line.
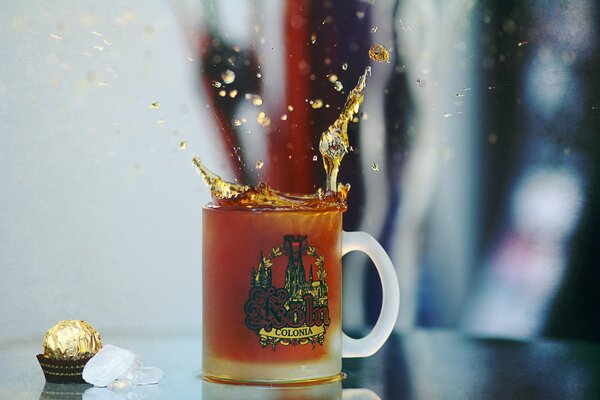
228 76
379 53
259 164
183 145
375 167
317 103
154 105
257 100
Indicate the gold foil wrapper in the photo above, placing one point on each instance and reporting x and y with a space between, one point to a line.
71 340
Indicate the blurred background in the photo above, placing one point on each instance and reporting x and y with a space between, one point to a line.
475 157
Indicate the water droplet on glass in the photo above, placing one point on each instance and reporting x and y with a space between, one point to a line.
345 66
338 86
183 145
375 167
154 105
259 164
317 103
228 76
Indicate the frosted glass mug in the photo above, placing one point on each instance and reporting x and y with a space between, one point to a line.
272 295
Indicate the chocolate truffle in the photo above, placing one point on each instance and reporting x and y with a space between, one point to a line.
68 346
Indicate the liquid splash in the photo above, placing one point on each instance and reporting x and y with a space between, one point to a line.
263 197
333 145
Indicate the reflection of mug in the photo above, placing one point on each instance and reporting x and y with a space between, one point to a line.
272 294
329 391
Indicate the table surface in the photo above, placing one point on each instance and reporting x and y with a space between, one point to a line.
424 364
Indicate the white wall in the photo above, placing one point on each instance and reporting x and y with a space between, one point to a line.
99 208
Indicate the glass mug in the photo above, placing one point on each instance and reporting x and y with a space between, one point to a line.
272 295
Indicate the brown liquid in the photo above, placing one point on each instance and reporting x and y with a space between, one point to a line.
333 146
227 340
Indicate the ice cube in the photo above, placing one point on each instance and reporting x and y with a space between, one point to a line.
107 365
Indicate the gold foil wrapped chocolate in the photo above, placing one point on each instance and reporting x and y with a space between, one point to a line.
71 340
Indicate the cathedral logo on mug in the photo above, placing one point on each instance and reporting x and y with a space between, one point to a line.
297 312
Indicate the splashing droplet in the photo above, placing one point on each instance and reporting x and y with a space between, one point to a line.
228 76
257 100
317 103
262 119
379 53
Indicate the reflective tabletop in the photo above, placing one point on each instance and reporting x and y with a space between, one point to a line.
424 364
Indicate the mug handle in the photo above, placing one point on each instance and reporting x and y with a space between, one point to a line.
362 241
